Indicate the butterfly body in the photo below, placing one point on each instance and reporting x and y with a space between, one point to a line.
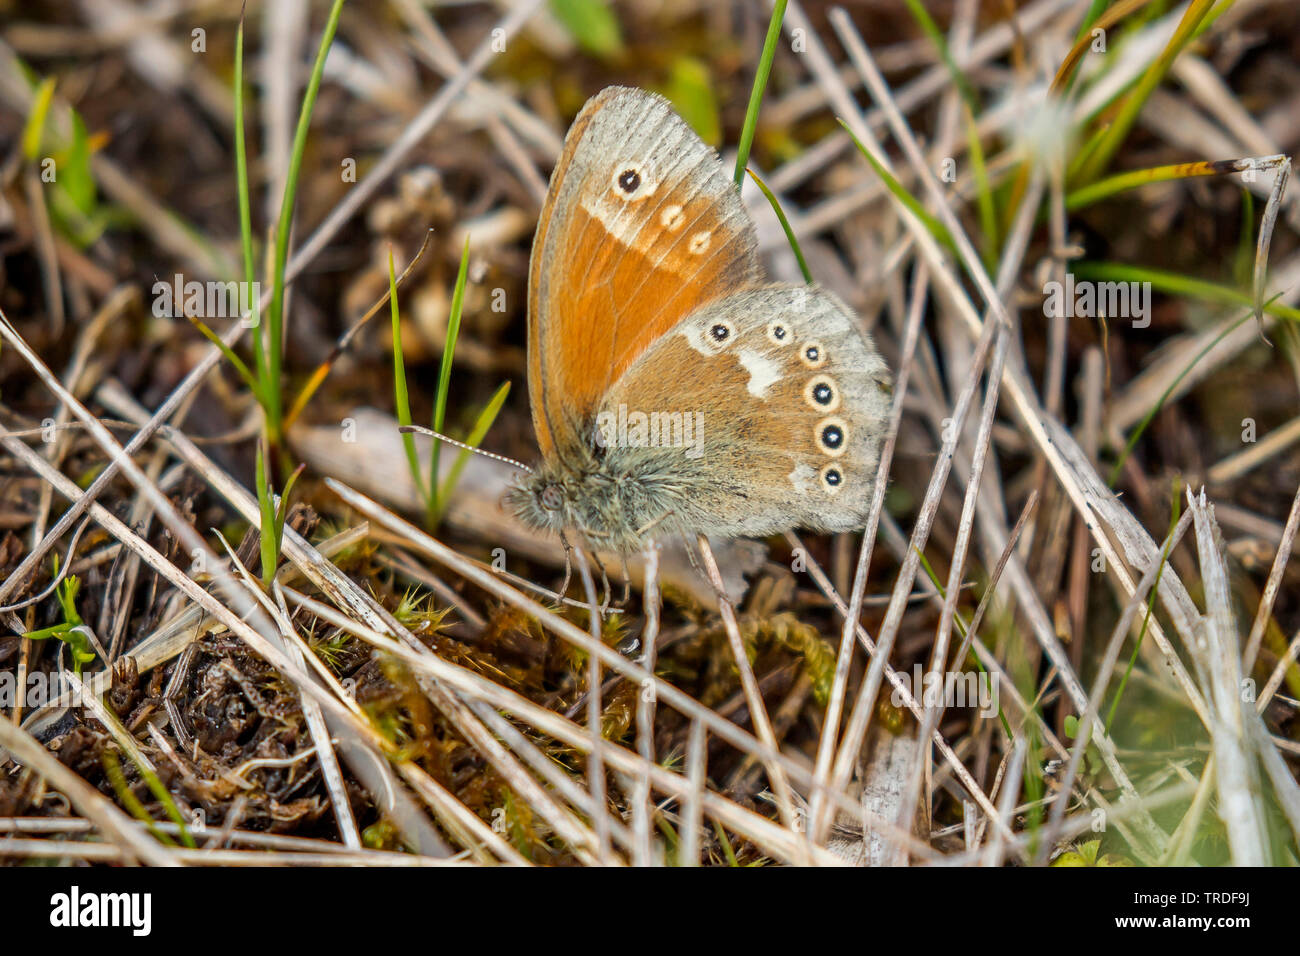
672 391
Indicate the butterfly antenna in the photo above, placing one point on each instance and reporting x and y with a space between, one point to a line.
460 444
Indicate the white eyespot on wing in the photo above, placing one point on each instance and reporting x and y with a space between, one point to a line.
822 394
832 479
710 338
763 372
804 478
633 182
831 435
672 217
779 333
812 354
699 243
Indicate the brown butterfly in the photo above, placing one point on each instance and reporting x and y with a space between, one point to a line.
672 390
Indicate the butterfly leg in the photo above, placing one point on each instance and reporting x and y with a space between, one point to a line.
719 594
627 582
645 528
604 584
568 565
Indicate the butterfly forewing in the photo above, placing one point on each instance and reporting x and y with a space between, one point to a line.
641 227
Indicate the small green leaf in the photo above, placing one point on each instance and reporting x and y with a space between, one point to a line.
1071 726
592 24
74 172
691 90
35 127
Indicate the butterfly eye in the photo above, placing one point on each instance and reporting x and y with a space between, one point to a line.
821 393
813 355
778 333
551 498
832 479
832 436
632 183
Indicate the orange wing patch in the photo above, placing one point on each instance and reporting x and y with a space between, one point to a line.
612 273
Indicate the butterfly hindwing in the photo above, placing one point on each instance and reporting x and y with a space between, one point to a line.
784 408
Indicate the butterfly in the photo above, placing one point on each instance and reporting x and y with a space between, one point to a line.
673 390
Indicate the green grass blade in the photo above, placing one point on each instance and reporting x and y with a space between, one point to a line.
985 203
283 512
244 371
756 94
275 315
476 436
444 377
932 225
113 770
246 211
34 130
1176 284
401 398
932 31
1164 397
785 224
1132 104
1151 604
266 509
592 24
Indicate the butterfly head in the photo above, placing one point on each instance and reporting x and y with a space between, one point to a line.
589 502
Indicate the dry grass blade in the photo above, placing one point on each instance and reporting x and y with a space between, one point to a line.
1217 655
1102 680
1266 225
753 696
94 806
1271 588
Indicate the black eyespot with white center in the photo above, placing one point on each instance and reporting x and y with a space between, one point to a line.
717 335
778 333
832 479
812 354
632 182
821 393
831 436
